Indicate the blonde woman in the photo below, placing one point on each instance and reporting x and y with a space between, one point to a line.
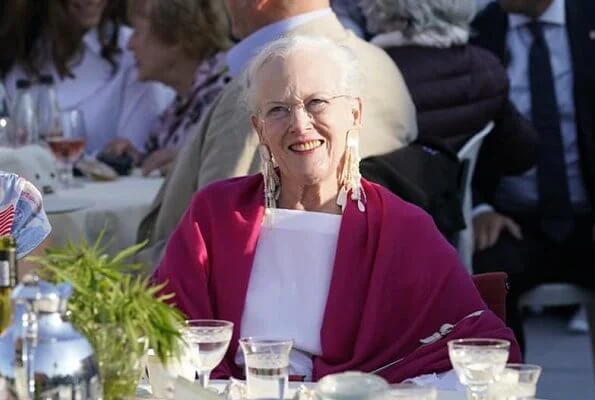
182 44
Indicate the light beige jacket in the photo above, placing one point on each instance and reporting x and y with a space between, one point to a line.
224 144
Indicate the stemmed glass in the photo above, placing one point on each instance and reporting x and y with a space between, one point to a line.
69 146
208 340
477 362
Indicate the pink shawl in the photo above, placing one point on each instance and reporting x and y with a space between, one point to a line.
395 281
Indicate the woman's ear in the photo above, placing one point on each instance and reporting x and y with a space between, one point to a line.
356 110
257 126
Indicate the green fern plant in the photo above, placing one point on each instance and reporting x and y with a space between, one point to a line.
108 293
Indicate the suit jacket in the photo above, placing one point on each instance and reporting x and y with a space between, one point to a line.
224 144
489 30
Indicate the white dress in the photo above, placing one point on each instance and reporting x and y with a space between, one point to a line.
113 105
289 283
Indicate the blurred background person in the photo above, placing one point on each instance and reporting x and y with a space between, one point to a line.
182 44
82 44
457 89
540 226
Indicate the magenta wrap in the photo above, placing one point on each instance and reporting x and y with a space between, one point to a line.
395 281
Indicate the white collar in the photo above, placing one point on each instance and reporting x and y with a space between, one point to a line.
240 54
91 41
555 14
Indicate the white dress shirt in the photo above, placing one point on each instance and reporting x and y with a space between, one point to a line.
290 281
240 55
113 104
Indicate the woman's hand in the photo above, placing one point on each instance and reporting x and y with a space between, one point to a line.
161 160
120 146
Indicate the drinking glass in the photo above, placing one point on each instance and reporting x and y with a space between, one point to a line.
516 382
68 147
412 391
477 362
267 365
208 340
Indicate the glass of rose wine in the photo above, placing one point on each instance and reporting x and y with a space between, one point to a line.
69 146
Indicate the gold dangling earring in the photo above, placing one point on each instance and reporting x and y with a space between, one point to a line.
350 175
271 180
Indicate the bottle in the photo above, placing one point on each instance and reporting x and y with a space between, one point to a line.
8 278
49 117
23 115
7 128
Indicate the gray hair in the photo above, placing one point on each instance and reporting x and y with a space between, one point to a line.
413 18
345 59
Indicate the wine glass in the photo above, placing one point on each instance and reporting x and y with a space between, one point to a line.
477 362
208 340
68 147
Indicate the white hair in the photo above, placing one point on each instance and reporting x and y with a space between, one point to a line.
445 20
345 59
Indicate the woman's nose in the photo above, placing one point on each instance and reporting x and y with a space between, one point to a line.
299 119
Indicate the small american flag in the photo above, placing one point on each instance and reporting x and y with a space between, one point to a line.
6 219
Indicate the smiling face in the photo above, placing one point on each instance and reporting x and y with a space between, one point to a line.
304 115
86 12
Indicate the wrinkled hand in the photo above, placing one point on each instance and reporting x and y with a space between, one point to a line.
488 226
161 160
120 146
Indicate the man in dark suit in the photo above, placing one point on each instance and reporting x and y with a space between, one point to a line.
539 226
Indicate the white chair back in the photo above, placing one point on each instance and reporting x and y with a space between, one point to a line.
468 154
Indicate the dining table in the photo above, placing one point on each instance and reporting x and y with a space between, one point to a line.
112 208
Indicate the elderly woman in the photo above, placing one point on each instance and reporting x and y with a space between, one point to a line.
308 250
457 88
180 43
81 44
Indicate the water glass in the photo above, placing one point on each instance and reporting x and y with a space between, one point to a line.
352 385
208 340
477 362
516 382
267 366
412 391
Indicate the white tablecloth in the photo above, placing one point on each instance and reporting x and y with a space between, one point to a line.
118 206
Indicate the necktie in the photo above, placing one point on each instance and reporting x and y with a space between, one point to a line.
555 207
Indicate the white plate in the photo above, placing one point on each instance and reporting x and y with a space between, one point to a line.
57 204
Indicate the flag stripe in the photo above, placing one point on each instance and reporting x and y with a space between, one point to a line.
6 220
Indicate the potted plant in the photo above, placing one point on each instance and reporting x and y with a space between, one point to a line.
119 312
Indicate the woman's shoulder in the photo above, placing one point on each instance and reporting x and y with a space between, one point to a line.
230 190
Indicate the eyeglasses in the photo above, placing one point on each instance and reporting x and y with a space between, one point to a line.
313 107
